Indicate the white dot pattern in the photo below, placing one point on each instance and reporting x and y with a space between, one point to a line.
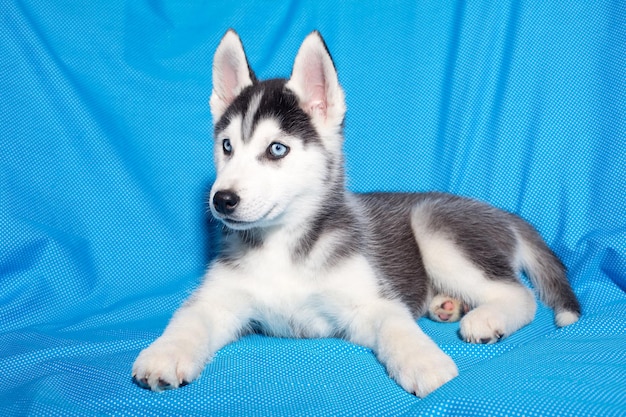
105 157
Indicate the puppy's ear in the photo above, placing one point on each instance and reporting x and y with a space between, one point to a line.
231 73
314 80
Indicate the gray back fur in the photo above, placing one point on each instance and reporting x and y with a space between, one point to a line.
487 236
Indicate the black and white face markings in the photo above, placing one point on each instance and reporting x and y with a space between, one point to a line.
272 100
269 99
257 134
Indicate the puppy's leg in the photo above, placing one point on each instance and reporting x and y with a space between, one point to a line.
210 319
412 359
501 303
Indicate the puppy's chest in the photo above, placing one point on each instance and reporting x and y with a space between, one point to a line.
290 299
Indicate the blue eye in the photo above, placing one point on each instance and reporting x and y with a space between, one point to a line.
277 150
228 148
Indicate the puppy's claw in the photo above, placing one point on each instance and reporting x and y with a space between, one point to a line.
164 384
141 382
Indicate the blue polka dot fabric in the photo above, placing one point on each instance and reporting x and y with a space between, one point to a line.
106 156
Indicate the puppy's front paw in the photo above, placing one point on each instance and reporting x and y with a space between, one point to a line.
421 371
425 373
167 365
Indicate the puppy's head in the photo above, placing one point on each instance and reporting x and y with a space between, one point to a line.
277 142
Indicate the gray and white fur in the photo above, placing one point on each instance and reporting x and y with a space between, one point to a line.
304 257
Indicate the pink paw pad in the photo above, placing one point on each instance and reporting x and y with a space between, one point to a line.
447 309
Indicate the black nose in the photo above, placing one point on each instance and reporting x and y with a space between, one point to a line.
225 202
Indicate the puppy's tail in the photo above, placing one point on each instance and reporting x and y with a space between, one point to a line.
547 273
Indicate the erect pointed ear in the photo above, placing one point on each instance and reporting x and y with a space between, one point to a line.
231 73
314 80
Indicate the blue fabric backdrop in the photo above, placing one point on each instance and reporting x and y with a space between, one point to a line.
106 154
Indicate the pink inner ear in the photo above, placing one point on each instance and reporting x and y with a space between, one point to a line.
230 81
318 105
315 86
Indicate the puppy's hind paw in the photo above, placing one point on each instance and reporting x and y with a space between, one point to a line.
482 325
446 309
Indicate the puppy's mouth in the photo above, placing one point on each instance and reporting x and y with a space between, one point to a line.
237 224
232 222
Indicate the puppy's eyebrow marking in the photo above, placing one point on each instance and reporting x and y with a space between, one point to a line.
253 107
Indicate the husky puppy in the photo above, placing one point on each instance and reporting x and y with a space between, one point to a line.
304 257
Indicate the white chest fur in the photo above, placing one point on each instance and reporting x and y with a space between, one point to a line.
286 298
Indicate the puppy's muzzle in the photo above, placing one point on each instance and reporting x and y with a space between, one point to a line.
225 202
